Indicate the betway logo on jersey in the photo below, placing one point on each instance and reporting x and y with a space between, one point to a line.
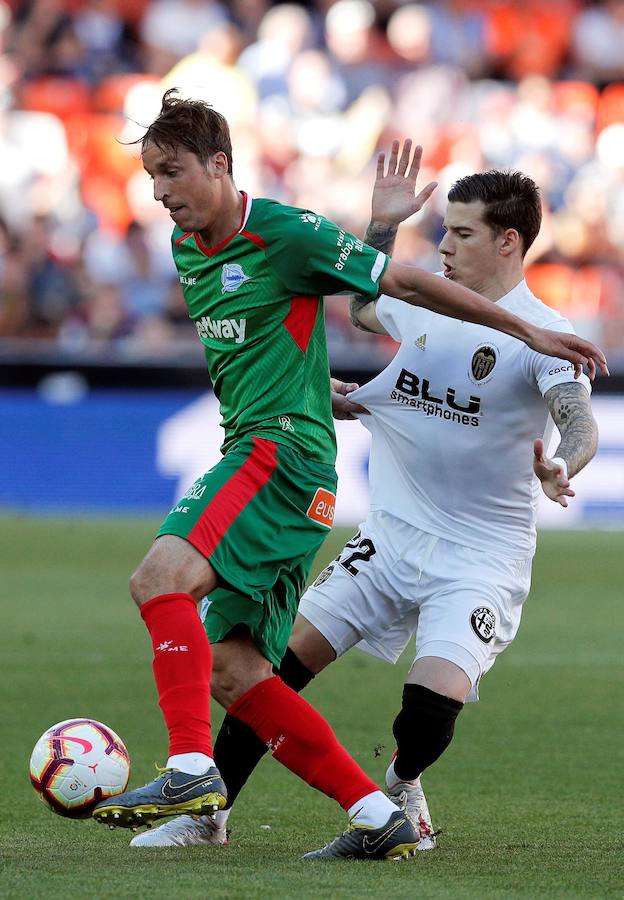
222 328
418 393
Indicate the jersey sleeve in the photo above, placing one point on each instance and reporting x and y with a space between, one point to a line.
312 255
401 319
544 372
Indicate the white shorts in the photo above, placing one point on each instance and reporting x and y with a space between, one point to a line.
392 581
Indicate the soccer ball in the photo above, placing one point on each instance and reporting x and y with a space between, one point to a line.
77 763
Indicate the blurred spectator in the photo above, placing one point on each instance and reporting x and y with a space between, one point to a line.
13 287
357 47
52 285
173 28
598 42
284 32
211 73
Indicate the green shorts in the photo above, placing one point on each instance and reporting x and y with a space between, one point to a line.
259 516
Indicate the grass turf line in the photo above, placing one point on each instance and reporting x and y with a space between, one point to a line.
527 796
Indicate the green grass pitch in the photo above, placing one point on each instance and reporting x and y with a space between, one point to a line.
529 797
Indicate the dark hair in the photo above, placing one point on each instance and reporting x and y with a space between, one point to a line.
192 125
511 199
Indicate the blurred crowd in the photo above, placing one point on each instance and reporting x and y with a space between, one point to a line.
312 92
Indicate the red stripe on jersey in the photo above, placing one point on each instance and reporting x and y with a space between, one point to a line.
300 320
211 251
183 238
254 238
233 497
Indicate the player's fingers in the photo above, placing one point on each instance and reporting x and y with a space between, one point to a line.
394 155
352 407
595 358
538 449
426 192
414 168
405 157
562 502
351 386
381 165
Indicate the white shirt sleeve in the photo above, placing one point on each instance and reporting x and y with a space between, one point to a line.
401 320
544 372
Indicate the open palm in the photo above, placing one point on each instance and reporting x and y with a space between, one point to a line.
394 193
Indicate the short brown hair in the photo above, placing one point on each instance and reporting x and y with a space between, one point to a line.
192 125
511 199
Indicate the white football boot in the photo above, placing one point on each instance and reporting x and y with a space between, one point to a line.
183 831
410 796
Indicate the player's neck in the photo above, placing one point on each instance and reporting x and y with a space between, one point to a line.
229 219
500 284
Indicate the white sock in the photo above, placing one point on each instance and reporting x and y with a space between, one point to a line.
374 810
221 817
190 763
392 779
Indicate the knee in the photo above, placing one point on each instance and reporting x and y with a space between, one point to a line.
148 581
140 589
172 566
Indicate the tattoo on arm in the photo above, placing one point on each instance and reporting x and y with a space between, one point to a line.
570 409
381 236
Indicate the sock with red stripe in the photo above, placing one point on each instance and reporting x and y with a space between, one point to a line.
301 739
182 668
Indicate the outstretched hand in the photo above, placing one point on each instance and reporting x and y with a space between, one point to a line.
555 484
342 407
575 349
394 193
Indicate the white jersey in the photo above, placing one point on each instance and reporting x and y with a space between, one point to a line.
454 417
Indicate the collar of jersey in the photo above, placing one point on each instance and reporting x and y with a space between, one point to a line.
212 251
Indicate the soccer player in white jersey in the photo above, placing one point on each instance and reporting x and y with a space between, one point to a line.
459 421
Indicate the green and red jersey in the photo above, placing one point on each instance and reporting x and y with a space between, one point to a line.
257 302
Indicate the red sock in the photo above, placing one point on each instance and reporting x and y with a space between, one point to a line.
182 668
301 739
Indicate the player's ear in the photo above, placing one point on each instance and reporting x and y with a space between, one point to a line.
220 166
511 241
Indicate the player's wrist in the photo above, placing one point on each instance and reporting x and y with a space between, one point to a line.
560 461
380 226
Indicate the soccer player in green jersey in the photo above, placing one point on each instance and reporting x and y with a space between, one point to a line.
253 273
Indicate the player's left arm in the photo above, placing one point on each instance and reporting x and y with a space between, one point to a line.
394 200
570 408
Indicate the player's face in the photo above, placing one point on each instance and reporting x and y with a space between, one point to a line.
189 189
469 248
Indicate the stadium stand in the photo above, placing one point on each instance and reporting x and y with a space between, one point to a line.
312 92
